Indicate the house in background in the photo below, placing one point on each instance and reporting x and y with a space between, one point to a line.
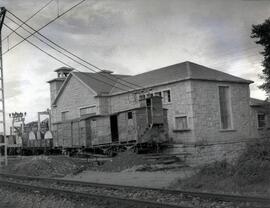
203 104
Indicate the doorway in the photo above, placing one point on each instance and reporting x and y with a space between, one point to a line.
114 128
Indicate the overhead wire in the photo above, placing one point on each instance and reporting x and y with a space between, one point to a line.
51 21
62 62
71 58
31 17
37 31
68 51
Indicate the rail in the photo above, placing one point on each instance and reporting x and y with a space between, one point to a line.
201 195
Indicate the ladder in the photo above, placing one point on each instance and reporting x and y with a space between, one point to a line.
3 142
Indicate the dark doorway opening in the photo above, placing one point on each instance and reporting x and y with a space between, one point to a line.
114 128
149 110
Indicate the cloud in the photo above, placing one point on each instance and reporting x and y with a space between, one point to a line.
15 87
130 37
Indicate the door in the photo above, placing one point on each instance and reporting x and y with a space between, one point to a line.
114 128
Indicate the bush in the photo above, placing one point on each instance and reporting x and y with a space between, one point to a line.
253 166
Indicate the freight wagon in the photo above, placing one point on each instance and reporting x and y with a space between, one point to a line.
142 127
31 140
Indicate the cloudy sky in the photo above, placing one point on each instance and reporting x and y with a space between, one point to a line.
130 37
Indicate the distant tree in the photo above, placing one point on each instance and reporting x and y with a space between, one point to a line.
262 33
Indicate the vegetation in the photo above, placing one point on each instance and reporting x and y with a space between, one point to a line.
262 33
249 174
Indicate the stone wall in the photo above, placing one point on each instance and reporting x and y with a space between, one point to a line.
75 96
180 105
54 88
206 108
203 154
255 131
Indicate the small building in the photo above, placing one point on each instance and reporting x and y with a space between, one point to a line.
202 104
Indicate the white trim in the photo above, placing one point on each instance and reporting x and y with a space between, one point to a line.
66 111
87 106
176 81
155 91
181 116
162 94
265 121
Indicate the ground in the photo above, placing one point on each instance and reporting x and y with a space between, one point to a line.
47 166
125 169
249 175
159 179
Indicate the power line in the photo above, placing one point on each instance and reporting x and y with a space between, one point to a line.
64 49
59 51
47 4
24 39
62 62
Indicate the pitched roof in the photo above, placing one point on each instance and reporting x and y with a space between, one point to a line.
94 81
97 81
64 69
174 73
256 102
178 72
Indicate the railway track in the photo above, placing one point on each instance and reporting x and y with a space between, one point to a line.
97 197
137 196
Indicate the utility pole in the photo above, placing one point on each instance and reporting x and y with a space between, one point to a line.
17 117
2 95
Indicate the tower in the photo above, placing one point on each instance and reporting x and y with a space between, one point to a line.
56 83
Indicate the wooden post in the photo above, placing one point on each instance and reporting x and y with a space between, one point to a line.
2 100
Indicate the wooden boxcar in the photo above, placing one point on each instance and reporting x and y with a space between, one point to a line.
145 124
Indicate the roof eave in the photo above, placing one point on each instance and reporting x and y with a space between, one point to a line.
181 80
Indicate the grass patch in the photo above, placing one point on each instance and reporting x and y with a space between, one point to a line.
250 174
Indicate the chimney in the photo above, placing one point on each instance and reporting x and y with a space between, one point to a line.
56 83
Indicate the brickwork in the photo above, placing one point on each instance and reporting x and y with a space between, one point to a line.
54 88
180 105
206 154
197 100
257 132
75 95
206 108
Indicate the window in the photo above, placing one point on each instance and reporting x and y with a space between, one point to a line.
268 120
129 115
261 120
149 95
88 110
94 127
64 115
167 96
181 123
148 102
225 107
158 94
141 97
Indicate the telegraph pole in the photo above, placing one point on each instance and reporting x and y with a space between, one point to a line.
17 117
2 95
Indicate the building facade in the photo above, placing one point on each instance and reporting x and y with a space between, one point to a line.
203 105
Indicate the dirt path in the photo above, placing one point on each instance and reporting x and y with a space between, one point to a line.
159 179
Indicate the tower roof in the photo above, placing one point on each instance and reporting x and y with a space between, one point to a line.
64 69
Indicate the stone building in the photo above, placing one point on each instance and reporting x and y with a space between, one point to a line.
204 105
